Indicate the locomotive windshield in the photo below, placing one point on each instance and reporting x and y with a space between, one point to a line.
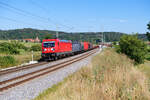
49 44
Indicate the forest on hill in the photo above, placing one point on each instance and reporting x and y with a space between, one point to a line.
80 36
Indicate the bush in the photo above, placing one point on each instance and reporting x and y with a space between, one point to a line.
12 48
8 48
117 48
133 47
6 61
36 47
148 49
114 43
18 45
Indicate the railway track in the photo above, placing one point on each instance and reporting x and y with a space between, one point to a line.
15 69
6 84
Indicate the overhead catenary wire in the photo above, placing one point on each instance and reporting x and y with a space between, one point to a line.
57 25
14 11
26 13
47 11
16 21
23 12
6 8
20 10
19 13
39 6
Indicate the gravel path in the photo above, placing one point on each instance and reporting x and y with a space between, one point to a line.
31 89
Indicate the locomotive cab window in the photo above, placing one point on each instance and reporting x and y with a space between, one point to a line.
49 44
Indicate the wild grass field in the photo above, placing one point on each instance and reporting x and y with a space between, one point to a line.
110 76
9 59
27 56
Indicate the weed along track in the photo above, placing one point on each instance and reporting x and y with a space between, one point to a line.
6 84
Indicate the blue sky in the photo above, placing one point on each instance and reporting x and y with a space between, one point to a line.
76 15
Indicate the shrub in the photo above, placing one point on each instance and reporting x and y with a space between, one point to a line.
6 61
8 48
148 49
114 43
36 47
117 48
18 45
12 48
133 47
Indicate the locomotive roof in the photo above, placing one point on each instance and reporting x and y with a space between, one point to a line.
64 40
56 40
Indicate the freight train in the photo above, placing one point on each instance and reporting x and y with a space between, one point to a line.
53 49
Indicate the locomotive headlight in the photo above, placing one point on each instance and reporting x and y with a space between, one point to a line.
52 49
45 49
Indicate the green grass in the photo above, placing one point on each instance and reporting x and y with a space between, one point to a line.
3 41
26 57
6 61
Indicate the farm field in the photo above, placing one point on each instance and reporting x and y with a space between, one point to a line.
110 76
14 53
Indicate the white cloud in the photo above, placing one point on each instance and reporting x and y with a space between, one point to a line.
122 20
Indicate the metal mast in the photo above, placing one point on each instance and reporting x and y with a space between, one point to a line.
57 34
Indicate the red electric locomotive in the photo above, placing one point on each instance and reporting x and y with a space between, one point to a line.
54 48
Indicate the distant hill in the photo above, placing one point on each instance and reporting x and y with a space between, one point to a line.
23 33
143 37
80 36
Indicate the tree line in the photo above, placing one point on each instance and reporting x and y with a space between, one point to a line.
42 34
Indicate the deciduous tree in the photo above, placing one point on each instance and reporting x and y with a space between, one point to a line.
133 47
148 34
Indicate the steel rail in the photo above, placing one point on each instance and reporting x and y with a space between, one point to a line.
11 70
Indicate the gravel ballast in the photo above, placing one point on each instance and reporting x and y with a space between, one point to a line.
31 89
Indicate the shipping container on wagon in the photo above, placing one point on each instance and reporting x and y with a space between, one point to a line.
90 46
76 46
86 45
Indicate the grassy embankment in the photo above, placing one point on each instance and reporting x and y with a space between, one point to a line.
110 76
23 57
